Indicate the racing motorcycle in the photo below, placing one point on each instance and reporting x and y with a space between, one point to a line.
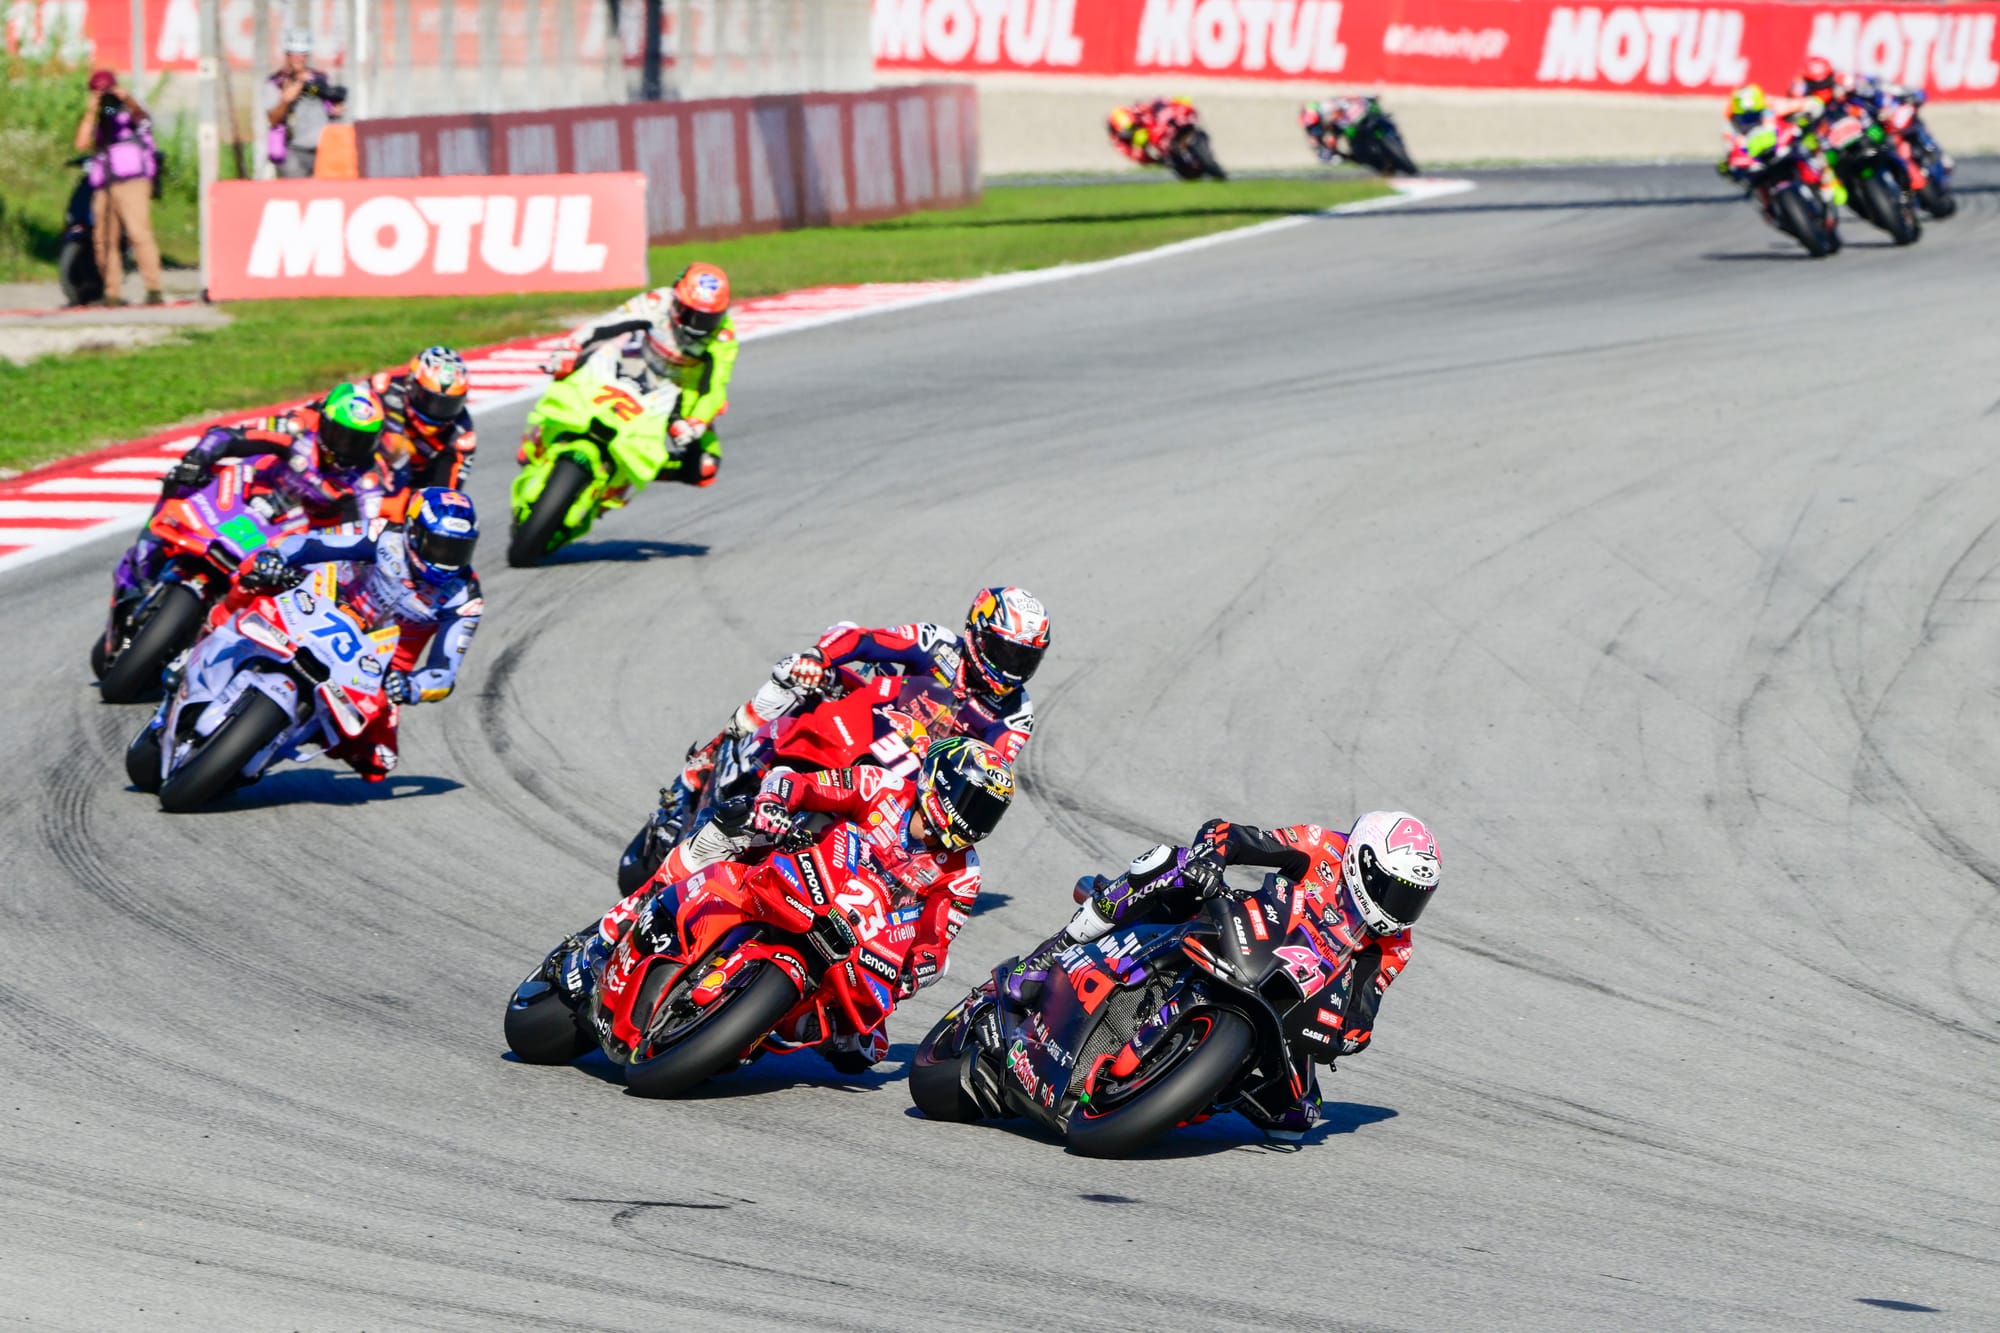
1145 1029
714 967
591 443
1783 184
876 722
1373 141
1878 184
1936 198
287 678
1181 144
206 534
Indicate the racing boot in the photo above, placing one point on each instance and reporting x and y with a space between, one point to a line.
1095 915
571 967
856 1053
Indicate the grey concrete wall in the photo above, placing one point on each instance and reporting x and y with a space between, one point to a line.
1037 123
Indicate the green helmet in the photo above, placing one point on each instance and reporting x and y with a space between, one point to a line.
350 424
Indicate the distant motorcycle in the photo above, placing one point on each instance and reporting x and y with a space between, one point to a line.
592 442
1878 184
286 679
1143 1030
206 536
1180 144
1936 197
1364 135
1785 185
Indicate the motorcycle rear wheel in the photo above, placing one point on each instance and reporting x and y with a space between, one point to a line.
533 535
77 272
940 1085
1799 222
142 760
542 1030
1397 156
740 1019
1174 1086
1937 199
213 768
169 626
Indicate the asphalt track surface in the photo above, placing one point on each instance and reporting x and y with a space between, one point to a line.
1654 565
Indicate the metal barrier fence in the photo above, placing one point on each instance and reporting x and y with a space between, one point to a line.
721 167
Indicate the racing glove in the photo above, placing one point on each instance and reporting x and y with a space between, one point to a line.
269 573
769 814
399 689
685 433
804 672
561 364
921 966
1203 874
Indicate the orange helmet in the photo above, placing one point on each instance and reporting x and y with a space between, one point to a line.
701 299
438 383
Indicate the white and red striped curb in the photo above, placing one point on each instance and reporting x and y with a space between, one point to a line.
77 500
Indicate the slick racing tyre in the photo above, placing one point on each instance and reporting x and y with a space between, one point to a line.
1204 156
1800 224
541 1029
1178 1081
698 1043
142 759
1937 199
534 534
1398 157
163 629
941 1080
213 768
1890 208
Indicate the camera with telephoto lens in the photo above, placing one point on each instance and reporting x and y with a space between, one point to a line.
317 86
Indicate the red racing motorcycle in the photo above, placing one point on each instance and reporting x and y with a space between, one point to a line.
801 939
866 721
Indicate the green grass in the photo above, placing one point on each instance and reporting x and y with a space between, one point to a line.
275 350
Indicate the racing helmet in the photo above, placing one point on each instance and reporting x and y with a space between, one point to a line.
1310 117
963 788
1747 107
350 425
1122 123
439 534
1006 633
1390 870
700 300
438 384
1818 79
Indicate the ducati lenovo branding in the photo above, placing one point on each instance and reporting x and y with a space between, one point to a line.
427 237
1665 47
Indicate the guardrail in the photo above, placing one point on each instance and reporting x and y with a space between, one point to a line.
721 167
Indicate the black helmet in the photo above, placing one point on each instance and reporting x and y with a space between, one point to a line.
963 788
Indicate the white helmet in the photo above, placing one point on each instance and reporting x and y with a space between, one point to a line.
1391 869
298 41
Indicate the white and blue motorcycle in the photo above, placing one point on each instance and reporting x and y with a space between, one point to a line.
287 678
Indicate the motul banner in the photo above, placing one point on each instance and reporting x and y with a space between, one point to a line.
1651 48
466 235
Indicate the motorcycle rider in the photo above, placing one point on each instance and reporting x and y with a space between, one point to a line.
1756 126
321 457
1838 95
1135 129
1364 889
417 577
689 343
1328 122
988 665
427 434
920 834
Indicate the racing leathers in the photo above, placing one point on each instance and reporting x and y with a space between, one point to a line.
423 455
1329 122
292 468
700 374
1168 884
1138 130
931 892
435 624
904 650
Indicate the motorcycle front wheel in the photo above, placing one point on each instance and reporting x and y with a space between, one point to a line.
534 535
710 1043
212 769
1177 1082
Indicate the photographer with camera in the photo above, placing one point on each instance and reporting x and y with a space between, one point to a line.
298 102
118 135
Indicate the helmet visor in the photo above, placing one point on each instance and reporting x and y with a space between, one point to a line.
694 327
970 810
1012 662
435 407
346 445
1398 899
443 553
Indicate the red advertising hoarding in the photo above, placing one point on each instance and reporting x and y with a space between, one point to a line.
1667 47
466 235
